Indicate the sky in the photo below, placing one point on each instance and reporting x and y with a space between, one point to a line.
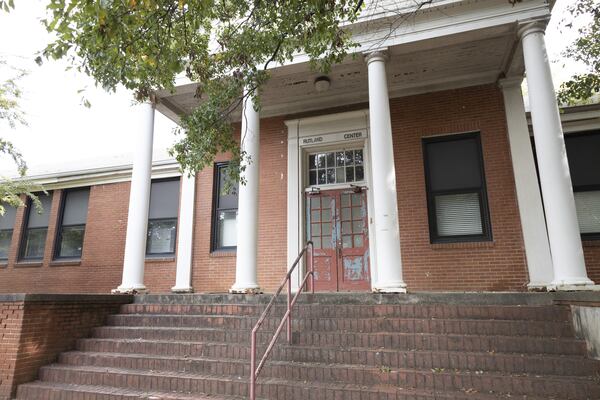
64 134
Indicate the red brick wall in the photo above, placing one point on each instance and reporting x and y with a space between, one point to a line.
591 250
497 265
31 339
11 318
101 265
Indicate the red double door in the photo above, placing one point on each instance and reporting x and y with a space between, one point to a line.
336 222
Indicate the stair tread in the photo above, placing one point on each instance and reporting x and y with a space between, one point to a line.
91 368
561 357
245 345
141 394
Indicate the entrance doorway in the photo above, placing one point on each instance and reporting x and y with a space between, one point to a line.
336 222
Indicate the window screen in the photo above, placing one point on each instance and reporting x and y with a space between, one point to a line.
71 229
224 211
457 202
7 222
36 228
162 217
583 152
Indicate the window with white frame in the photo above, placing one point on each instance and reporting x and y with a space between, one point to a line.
331 167
583 152
162 217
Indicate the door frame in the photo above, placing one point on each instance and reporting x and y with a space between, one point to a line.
308 135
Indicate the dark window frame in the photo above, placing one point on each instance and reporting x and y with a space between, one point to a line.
59 226
218 167
25 231
581 188
149 255
486 225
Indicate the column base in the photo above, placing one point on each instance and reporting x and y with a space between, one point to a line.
574 288
188 289
235 290
400 288
130 290
538 287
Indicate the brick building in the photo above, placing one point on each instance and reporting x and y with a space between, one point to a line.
410 167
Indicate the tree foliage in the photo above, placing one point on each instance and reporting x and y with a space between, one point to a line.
585 49
224 45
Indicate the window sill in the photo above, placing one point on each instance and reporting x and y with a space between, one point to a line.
65 263
223 253
160 259
464 245
4 264
25 264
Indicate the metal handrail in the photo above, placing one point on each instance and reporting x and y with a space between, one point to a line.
287 317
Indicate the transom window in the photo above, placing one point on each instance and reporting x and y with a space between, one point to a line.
332 167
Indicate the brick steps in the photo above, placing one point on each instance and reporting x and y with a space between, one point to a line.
60 391
380 324
197 347
400 341
426 311
276 388
383 359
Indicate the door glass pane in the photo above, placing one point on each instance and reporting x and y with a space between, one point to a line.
357 226
327 242
326 202
315 216
356 213
315 229
356 199
316 242
346 214
326 229
315 203
345 200
327 214
358 240
346 228
347 241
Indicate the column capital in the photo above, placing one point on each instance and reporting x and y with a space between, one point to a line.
510 82
376 55
531 27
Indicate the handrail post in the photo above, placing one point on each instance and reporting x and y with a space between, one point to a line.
289 317
312 267
253 365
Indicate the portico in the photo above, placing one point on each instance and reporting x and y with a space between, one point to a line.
354 115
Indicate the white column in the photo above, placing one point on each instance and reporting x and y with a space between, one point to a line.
389 263
185 235
559 203
531 211
247 219
139 202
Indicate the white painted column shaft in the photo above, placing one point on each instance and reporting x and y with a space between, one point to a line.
185 235
559 203
531 211
389 263
139 202
247 219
